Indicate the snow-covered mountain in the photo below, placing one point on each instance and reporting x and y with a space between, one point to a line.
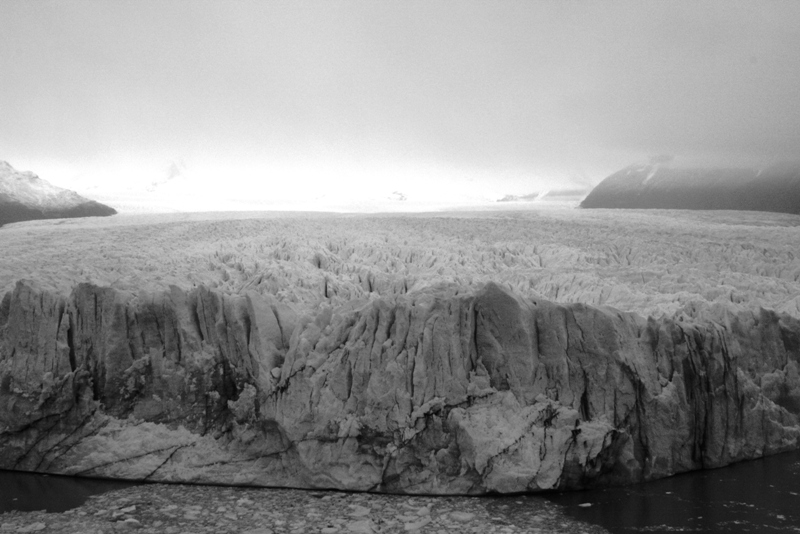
24 196
654 186
548 194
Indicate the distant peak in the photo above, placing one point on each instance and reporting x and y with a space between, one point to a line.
25 196
656 186
6 168
175 170
8 171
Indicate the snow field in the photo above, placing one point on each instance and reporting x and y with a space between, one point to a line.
654 262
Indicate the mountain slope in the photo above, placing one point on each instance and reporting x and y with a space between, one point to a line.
775 189
24 196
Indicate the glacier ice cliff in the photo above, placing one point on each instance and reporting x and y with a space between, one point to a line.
441 390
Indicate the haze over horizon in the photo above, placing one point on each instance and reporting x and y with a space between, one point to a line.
341 100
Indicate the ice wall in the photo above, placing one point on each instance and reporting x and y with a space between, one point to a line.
440 390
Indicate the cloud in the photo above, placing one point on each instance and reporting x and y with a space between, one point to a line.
511 93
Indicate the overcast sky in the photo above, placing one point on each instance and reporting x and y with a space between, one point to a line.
506 94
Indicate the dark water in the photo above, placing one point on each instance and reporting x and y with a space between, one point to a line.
29 491
756 496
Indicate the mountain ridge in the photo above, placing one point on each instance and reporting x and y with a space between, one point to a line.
24 196
654 186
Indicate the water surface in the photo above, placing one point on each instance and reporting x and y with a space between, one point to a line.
755 496
28 492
